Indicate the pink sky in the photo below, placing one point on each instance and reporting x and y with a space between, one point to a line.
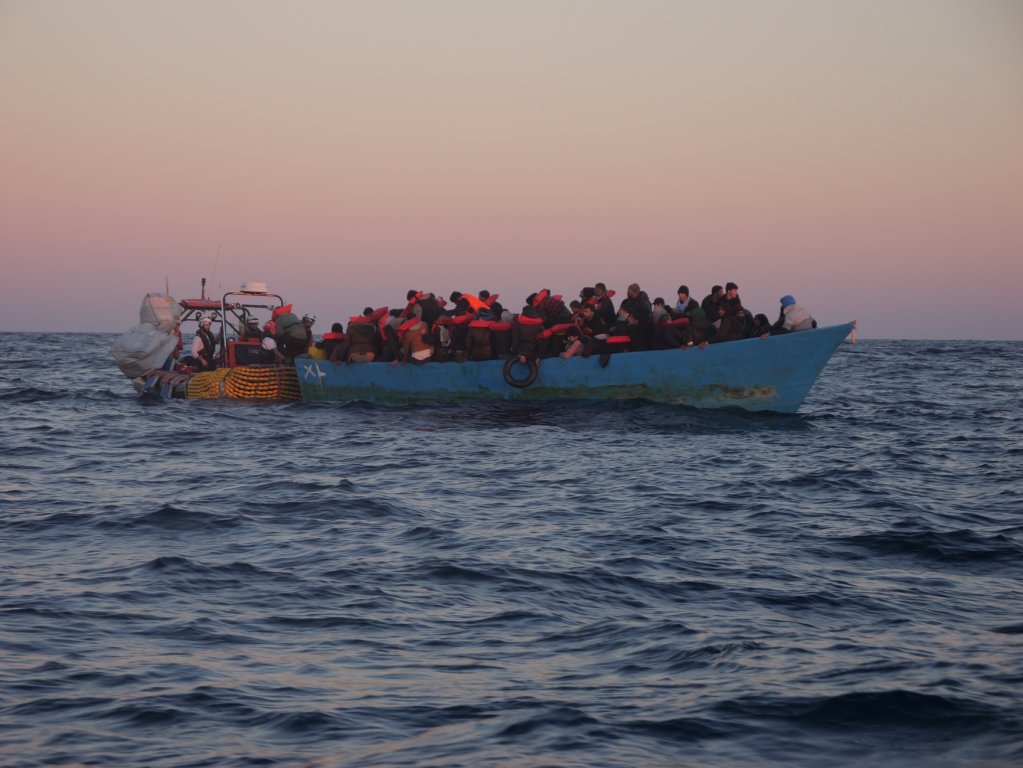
866 157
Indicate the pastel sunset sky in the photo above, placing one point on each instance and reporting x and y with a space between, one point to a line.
865 156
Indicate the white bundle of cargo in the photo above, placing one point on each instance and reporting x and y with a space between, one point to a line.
150 343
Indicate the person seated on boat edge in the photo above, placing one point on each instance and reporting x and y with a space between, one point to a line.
440 339
590 324
501 331
792 318
389 342
526 330
663 334
658 310
415 342
635 318
331 340
761 326
573 343
459 331
603 306
700 331
271 352
203 355
478 340
732 324
360 342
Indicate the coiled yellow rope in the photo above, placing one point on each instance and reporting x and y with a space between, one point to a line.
270 383
263 384
207 384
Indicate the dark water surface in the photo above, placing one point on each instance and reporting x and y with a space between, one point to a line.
223 583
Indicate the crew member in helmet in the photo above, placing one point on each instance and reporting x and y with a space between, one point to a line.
250 330
204 345
307 323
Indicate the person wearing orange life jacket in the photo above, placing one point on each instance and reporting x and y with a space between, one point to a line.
526 330
415 342
332 339
423 305
361 340
478 344
551 308
465 302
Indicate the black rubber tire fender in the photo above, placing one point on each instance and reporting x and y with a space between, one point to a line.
528 379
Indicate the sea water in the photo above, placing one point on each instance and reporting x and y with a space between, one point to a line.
225 583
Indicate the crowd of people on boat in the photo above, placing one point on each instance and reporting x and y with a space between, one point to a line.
478 327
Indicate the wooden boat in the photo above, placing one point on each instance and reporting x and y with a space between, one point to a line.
771 374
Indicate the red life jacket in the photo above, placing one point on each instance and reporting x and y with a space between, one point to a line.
524 320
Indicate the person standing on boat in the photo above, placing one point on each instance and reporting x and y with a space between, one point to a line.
271 353
792 318
204 345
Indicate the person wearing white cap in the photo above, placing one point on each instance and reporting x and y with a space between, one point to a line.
307 323
204 345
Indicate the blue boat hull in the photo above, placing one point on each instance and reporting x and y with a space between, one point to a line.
773 374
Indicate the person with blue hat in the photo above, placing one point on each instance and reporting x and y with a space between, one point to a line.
792 318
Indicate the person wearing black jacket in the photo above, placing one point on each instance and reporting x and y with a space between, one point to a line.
602 304
636 317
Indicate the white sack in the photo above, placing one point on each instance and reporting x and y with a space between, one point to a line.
141 349
160 311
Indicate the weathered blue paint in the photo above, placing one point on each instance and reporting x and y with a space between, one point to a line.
773 374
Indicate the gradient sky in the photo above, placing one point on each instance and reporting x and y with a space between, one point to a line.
866 156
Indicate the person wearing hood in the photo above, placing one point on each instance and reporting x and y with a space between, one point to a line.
636 317
602 304
710 302
204 345
792 318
